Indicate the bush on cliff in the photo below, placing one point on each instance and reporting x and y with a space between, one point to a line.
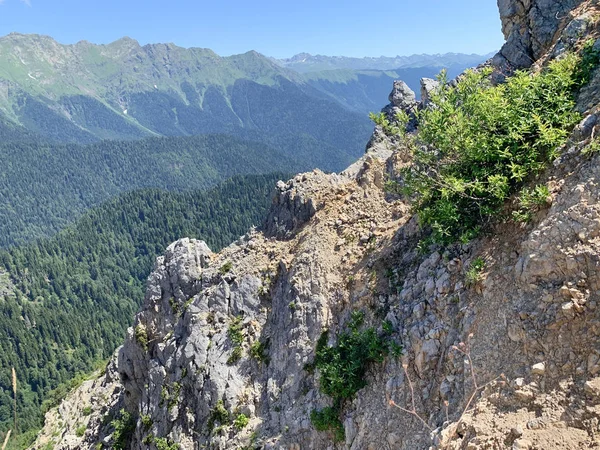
478 144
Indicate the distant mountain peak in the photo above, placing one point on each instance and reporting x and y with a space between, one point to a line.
125 41
306 62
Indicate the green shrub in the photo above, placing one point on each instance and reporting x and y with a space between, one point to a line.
531 200
592 148
124 426
141 336
235 332
258 351
344 366
146 422
235 356
174 397
174 306
165 444
218 415
240 422
396 127
396 349
343 369
80 431
327 419
226 268
590 58
236 335
87 411
478 144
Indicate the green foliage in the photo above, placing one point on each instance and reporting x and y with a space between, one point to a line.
343 368
475 271
258 351
388 327
80 431
590 58
396 127
592 148
75 294
174 306
235 331
530 200
219 415
396 349
87 411
124 426
240 422
251 442
235 356
173 396
478 144
146 422
226 268
164 394
236 336
328 419
141 336
165 444
380 119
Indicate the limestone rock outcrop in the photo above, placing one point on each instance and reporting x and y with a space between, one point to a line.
530 27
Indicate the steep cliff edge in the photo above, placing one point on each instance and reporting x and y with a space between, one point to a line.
227 351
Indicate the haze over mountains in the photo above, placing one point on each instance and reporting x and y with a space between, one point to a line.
305 62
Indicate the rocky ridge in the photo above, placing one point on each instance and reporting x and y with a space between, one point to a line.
233 334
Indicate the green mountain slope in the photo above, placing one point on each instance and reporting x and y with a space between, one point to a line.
85 92
44 187
76 293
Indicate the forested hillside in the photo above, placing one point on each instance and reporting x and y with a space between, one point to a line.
44 187
76 293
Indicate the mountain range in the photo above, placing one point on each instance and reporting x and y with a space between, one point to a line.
305 62
86 92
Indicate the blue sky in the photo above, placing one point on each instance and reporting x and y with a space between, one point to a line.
275 28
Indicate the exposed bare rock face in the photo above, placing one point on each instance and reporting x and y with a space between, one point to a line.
220 356
530 27
82 419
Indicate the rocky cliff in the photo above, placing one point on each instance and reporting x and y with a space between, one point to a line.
222 354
